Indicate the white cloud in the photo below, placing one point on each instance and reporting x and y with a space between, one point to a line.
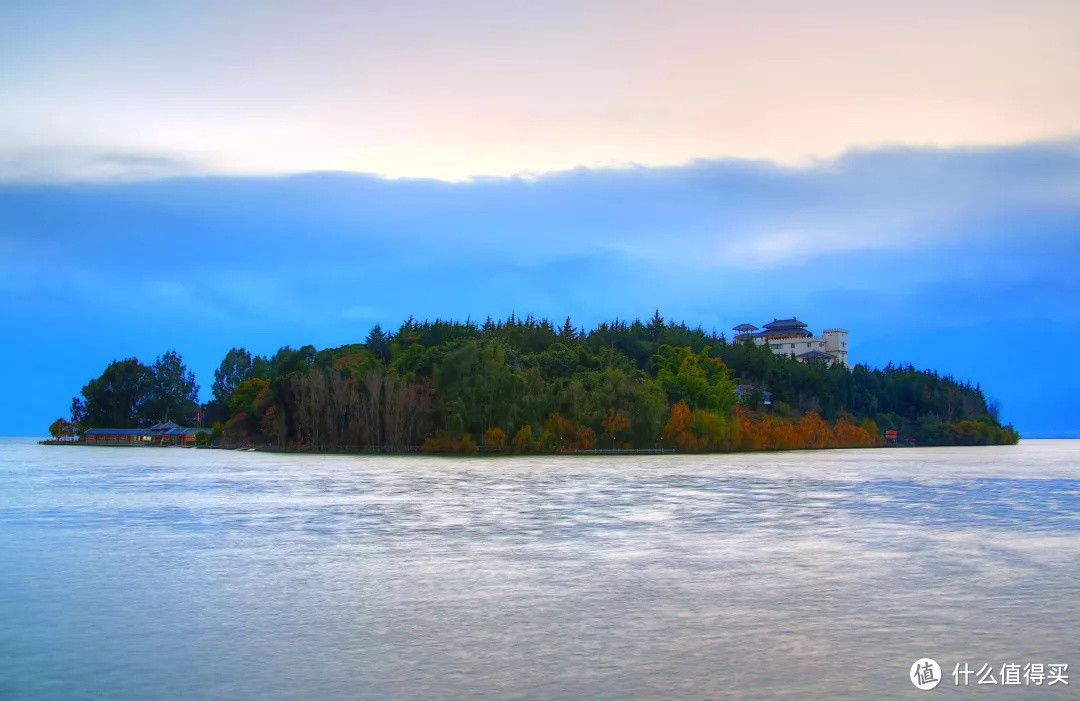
87 165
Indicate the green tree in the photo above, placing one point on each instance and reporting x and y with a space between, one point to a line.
234 369
117 398
172 393
702 381
378 343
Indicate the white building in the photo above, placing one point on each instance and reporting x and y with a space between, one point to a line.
791 337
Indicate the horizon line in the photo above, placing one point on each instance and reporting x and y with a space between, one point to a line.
126 165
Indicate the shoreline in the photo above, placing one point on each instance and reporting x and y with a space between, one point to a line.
507 453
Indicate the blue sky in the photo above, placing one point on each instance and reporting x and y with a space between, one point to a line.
961 259
197 175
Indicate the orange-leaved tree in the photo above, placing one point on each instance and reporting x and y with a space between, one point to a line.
676 432
560 428
494 439
523 439
584 438
614 423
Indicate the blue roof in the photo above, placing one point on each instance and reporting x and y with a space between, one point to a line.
164 426
116 432
783 323
159 430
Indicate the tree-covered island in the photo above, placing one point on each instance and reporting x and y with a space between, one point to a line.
530 386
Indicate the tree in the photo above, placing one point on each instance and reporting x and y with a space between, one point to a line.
567 333
61 429
560 429
173 393
244 396
676 432
697 378
614 423
234 369
371 408
236 428
494 439
308 393
78 415
251 398
813 432
117 398
406 412
590 396
584 438
273 425
523 439
377 342
656 326
713 431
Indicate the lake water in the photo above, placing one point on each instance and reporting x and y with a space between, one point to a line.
130 573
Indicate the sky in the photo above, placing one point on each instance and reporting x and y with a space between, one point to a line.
198 175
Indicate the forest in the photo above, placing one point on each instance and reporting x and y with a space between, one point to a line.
526 385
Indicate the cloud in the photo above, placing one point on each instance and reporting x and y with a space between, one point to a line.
912 250
85 165
708 215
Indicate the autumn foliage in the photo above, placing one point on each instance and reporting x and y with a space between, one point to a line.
443 442
757 431
494 439
698 430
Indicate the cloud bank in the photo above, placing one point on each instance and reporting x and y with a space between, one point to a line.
951 258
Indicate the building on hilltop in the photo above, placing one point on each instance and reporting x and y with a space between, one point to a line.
791 337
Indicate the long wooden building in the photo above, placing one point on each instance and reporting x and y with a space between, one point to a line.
166 433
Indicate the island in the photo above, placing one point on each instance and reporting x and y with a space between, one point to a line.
527 385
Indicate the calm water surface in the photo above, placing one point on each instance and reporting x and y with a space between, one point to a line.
130 573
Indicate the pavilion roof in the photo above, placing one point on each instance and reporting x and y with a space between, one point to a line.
784 323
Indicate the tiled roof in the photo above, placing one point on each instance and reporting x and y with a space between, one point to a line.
116 432
784 323
168 429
